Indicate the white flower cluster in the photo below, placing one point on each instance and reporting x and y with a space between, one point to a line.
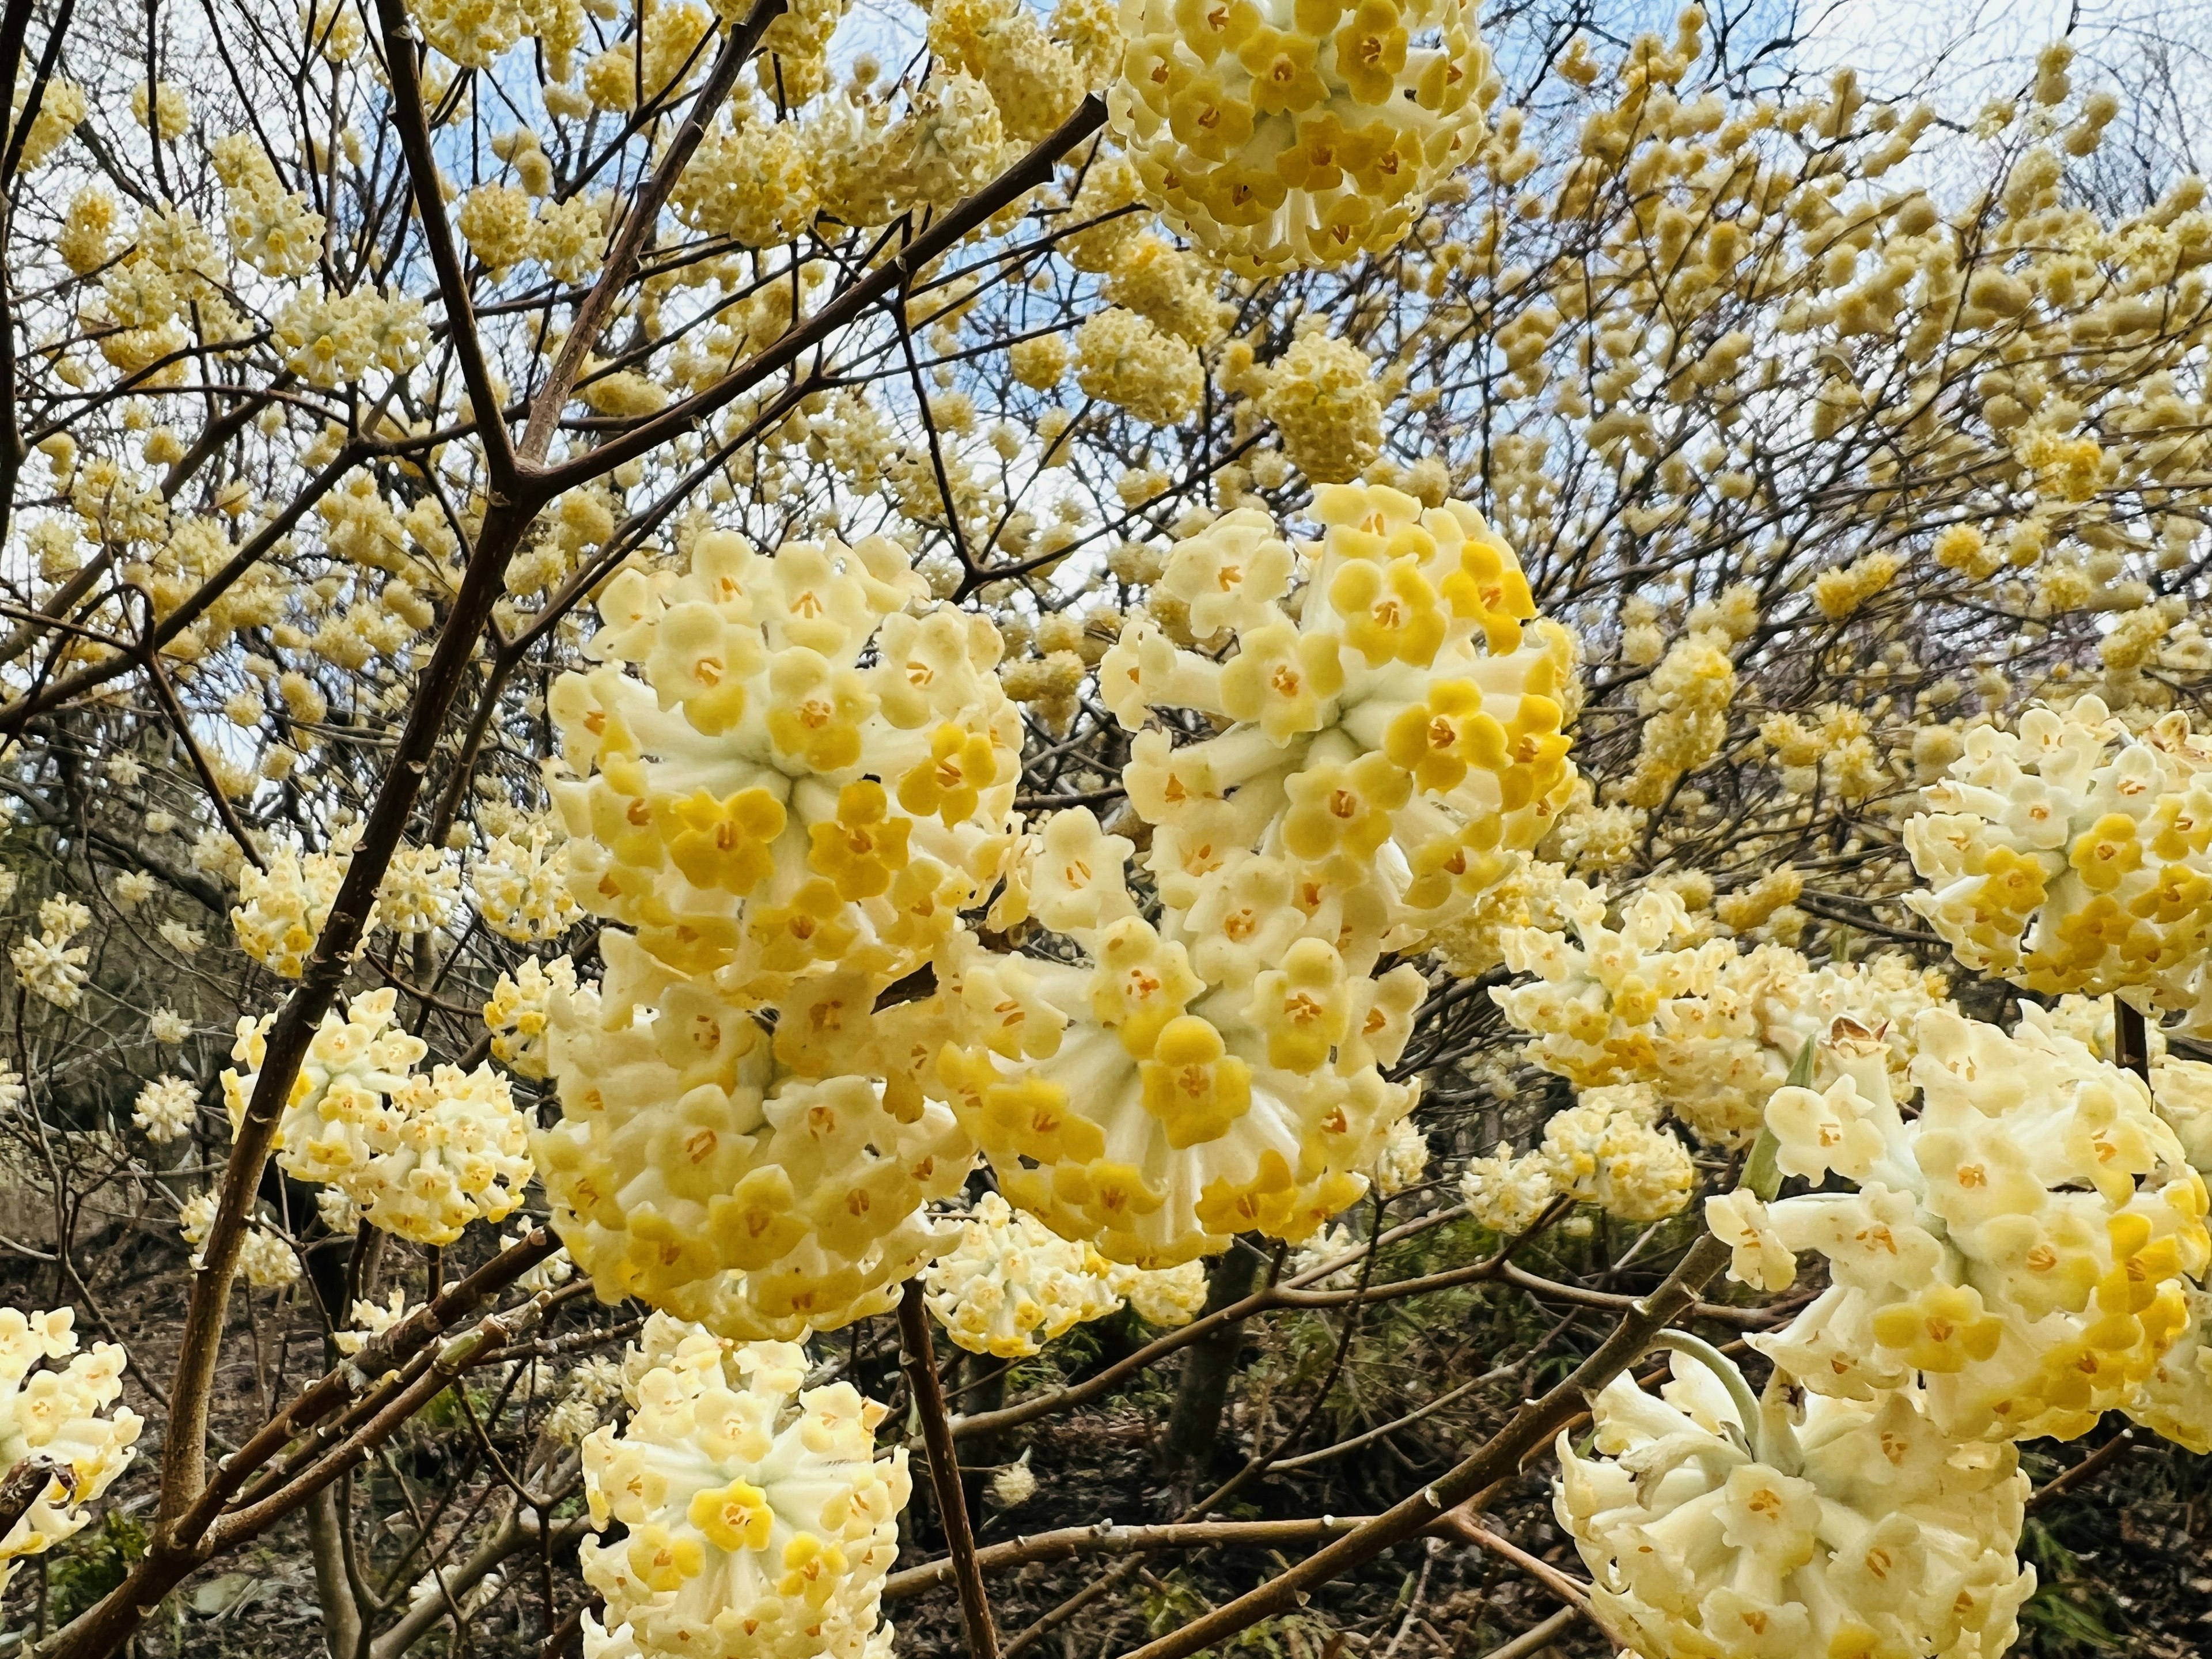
759 1523
265 1260
166 1108
2072 855
1011 1285
335 339
55 1414
49 966
522 888
1716 1526
419 1156
419 890
1606 1149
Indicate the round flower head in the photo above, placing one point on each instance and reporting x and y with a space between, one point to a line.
57 1413
807 780
522 888
2022 1245
452 1148
354 1063
1387 732
759 1183
2073 856
1606 1149
1275 134
421 1156
1713 1033
758 1523
516 1015
1011 1285
166 1108
1716 1526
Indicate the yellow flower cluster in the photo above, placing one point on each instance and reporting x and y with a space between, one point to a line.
1322 397
760 1182
520 1010
2072 855
1685 706
419 1156
1653 1000
758 1521
2022 1246
335 339
806 778
1282 132
282 909
1606 1149
1718 1526
1385 735
1125 360
271 229
57 1414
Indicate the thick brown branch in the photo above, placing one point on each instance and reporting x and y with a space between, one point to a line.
920 1363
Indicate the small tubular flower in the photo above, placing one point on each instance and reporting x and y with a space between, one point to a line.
757 1519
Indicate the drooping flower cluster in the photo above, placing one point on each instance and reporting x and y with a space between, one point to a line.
2071 855
419 1156
759 1183
1716 1526
1385 737
758 1521
55 1414
1275 134
1011 1285
2022 1247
